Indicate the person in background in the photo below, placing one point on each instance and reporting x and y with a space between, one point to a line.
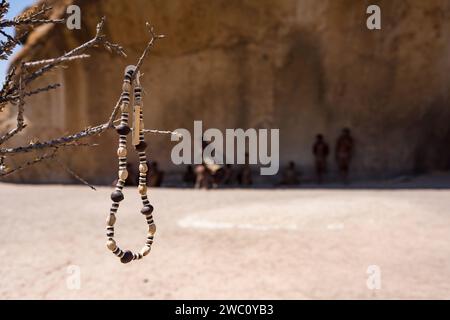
189 176
290 175
245 173
320 151
202 177
156 176
228 175
344 153
245 176
214 171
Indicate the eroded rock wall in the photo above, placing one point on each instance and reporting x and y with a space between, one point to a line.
303 66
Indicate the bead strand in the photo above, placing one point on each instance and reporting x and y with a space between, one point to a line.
143 171
117 196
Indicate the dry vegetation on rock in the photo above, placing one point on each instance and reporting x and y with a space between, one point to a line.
15 89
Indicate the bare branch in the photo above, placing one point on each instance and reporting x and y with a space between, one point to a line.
48 61
162 132
43 89
150 44
155 131
6 85
14 23
20 118
14 91
4 8
76 176
98 39
29 163
30 18
58 142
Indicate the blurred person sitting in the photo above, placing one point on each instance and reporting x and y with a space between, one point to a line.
245 176
290 175
189 176
228 175
245 173
202 177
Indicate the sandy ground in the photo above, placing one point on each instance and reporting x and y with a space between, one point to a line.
241 244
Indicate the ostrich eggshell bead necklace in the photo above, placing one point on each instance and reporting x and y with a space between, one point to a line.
123 129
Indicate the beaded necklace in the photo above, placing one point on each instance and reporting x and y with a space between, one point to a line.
139 144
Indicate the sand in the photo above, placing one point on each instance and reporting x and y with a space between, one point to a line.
227 244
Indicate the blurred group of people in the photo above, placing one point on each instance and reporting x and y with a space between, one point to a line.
210 175
205 176
343 154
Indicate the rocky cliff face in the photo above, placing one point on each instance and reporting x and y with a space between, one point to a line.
303 66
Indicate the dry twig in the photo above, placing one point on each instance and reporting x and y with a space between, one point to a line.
14 90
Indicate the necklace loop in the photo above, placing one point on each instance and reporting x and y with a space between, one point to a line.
138 141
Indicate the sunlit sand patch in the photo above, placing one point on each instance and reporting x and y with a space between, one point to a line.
335 226
251 216
201 223
294 214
